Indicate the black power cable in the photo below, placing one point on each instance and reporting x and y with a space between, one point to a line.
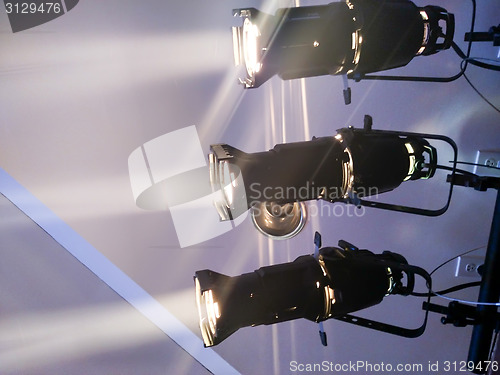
452 289
448 290
477 91
477 165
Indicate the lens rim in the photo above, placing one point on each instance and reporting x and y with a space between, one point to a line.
299 211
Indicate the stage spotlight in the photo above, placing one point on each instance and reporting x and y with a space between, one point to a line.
335 283
353 164
354 37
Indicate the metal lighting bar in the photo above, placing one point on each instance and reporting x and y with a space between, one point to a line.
489 292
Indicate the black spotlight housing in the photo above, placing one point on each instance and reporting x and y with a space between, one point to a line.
354 37
335 283
353 164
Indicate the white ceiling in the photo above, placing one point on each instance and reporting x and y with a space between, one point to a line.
80 93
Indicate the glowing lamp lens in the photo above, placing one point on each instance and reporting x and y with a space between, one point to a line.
209 312
251 35
228 182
